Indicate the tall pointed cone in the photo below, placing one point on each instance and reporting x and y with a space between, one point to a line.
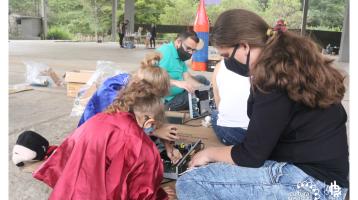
201 27
201 23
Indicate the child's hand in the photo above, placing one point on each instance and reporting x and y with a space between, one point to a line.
174 155
167 132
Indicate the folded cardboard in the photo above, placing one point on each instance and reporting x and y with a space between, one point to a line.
75 80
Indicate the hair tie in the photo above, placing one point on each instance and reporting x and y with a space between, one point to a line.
155 63
269 32
281 26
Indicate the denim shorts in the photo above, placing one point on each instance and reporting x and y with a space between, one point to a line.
227 135
274 180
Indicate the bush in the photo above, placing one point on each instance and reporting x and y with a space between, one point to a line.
167 36
58 33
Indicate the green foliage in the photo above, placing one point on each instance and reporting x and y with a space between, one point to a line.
325 28
94 17
25 7
148 11
326 13
180 12
58 33
167 36
213 11
289 10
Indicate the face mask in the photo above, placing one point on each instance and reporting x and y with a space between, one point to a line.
183 55
237 67
148 130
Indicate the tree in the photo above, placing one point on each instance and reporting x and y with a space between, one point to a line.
289 10
94 16
326 13
214 11
148 11
25 7
179 12
100 12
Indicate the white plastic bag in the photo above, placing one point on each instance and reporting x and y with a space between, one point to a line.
39 74
104 70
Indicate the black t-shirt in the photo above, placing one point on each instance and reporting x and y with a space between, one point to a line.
280 129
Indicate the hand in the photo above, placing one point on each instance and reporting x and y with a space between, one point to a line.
174 155
170 190
212 154
185 85
167 132
200 158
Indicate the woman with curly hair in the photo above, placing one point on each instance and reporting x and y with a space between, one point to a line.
111 155
296 143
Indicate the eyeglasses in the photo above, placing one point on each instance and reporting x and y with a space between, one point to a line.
188 49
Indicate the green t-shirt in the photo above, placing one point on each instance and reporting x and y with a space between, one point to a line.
173 65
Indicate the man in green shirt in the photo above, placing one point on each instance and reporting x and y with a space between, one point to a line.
173 60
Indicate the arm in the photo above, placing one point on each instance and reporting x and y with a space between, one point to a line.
173 153
270 116
182 84
215 86
189 78
213 154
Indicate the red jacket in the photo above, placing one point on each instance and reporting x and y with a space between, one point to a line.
108 157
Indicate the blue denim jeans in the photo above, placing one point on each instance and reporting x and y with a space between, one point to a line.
274 180
227 135
181 101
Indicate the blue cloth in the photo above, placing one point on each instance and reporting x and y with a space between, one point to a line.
227 135
274 180
104 96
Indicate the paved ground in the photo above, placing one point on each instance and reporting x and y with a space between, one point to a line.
46 111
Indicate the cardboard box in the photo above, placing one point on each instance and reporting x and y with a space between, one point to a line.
75 80
189 134
190 130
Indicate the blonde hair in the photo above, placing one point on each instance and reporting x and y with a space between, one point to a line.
152 73
144 91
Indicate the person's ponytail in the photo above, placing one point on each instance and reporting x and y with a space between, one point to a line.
152 73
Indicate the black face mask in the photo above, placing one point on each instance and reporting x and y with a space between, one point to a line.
183 55
237 67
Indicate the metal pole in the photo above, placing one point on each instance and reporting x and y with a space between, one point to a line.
304 17
44 17
114 19
344 47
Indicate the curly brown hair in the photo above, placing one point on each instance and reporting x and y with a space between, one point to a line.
295 64
287 62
